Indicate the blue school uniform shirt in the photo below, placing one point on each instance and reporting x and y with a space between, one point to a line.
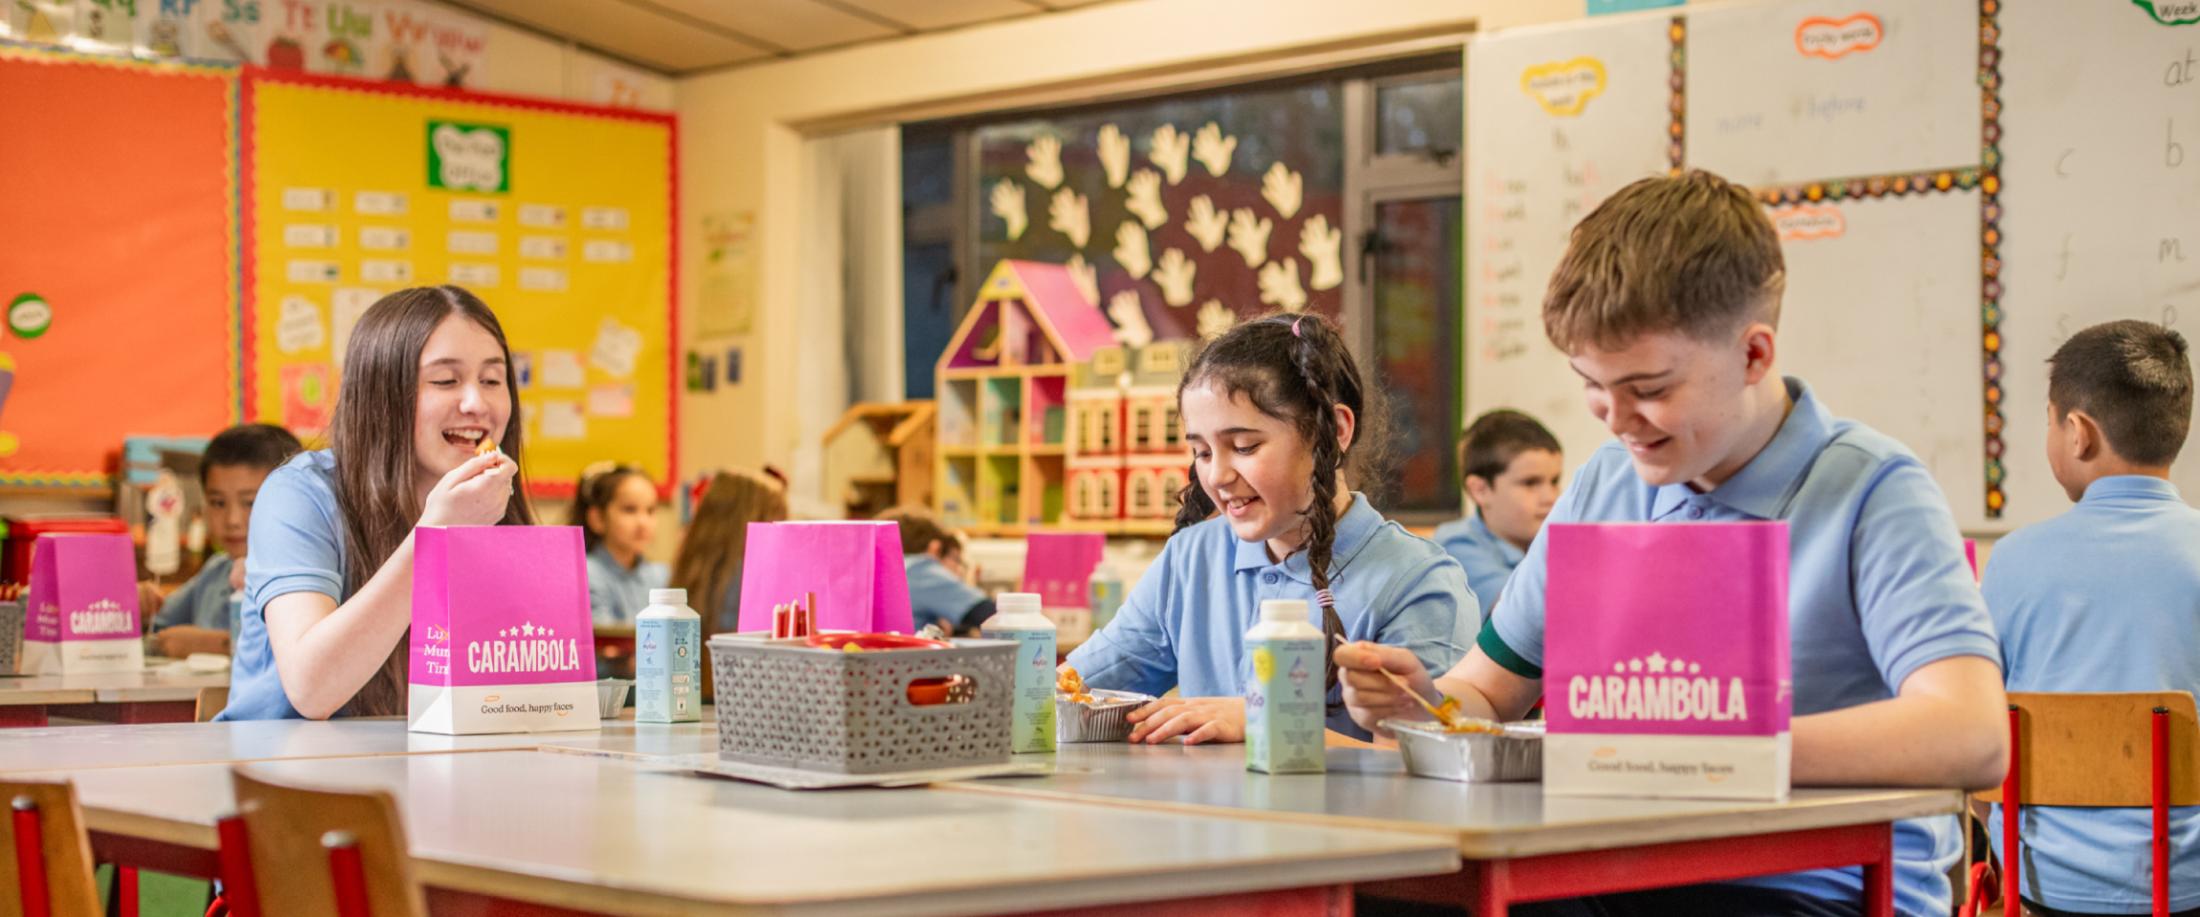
935 595
296 545
203 601
616 593
1877 588
1183 626
1488 559
2105 597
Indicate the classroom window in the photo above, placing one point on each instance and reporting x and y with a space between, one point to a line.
1407 206
933 293
1416 323
1142 195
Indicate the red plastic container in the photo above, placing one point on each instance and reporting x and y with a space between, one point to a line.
23 532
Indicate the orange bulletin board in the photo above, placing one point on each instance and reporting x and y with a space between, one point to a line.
117 212
559 216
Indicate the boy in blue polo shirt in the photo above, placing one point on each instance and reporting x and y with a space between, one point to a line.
932 558
1510 465
1667 304
2106 597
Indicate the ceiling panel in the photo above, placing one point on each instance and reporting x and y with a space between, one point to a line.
796 25
683 36
631 31
944 14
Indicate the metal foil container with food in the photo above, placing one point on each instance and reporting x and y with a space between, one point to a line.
1096 716
1481 752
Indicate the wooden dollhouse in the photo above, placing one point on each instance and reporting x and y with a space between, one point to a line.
1002 392
879 456
1127 458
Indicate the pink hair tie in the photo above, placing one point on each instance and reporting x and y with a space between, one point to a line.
1295 325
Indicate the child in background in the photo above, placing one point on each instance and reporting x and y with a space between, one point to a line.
616 508
423 434
199 617
938 590
1274 411
1511 466
2106 597
1667 304
709 564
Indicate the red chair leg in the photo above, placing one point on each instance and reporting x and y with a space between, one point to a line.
1975 891
2161 812
126 890
2009 817
239 893
347 876
30 859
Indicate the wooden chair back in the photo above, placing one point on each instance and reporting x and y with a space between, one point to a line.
289 832
210 703
65 851
2095 749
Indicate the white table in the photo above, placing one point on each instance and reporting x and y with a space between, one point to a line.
1521 845
598 834
158 695
75 748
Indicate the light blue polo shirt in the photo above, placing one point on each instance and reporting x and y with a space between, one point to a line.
203 601
935 595
296 544
617 593
1488 559
2105 597
1877 588
1183 626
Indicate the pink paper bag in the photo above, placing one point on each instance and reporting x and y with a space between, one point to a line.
501 637
83 608
854 567
1666 660
1058 566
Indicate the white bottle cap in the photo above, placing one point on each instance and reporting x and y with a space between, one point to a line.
668 596
1010 603
1283 611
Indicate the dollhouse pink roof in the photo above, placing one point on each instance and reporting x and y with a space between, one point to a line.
1077 322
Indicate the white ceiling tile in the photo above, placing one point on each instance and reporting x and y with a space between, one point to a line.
944 14
627 30
797 25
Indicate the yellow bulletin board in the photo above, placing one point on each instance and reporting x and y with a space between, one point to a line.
560 217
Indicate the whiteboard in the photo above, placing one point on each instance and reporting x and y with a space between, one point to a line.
2101 121
1881 319
1783 93
1558 119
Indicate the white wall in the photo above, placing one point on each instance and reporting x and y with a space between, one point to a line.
742 131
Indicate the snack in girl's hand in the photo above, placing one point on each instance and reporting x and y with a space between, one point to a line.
1071 686
487 446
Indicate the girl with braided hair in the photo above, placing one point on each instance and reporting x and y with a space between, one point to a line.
1278 420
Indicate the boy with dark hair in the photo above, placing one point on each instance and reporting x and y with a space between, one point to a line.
932 556
2106 597
1510 466
200 616
1667 304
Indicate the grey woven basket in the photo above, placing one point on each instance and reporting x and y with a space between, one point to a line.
785 704
12 621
